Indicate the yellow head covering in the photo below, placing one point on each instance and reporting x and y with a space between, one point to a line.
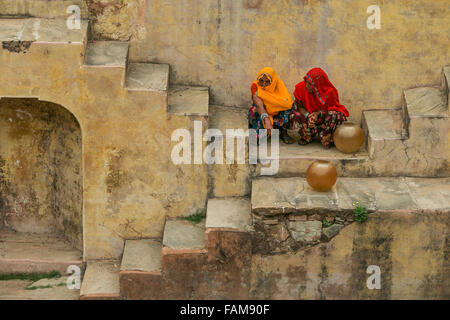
276 97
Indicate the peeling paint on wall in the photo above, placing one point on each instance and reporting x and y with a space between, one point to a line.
117 19
16 46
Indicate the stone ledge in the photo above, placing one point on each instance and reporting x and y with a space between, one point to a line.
33 253
42 30
425 102
229 213
147 77
314 151
107 54
101 281
299 228
384 124
141 255
223 118
188 101
275 196
294 160
181 235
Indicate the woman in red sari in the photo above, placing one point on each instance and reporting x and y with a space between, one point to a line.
318 111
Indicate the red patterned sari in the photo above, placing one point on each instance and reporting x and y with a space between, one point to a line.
323 102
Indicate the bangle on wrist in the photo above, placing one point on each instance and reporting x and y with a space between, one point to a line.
264 116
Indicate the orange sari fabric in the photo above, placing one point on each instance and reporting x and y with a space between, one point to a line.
275 96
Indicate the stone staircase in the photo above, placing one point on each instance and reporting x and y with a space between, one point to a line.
415 137
112 57
208 260
109 59
288 215
212 259
102 75
34 253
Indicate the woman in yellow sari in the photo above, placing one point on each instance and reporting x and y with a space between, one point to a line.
272 104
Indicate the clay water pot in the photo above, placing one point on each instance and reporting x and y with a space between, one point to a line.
348 137
321 175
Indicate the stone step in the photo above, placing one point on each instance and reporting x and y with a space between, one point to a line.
274 196
107 54
140 271
426 113
413 138
101 281
225 117
384 124
188 101
105 62
294 159
41 8
48 38
40 30
184 258
183 236
230 179
382 127
141 255
34 253
425 102
229 214
229 228
147 77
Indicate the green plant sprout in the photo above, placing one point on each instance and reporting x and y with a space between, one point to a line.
360 212
196 218
326 223
29 276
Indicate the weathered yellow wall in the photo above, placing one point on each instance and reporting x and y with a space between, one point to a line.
410 249
40 169
224 43
41 8
221 44
129 181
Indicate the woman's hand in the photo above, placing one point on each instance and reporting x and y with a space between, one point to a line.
312 118
299 107
268 125
303 111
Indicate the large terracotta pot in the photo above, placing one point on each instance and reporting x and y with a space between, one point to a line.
348 137
321 175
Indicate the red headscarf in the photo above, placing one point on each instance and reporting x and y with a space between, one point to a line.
325 95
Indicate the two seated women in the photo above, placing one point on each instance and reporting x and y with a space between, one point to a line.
315 112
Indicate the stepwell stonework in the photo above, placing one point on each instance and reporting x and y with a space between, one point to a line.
86 171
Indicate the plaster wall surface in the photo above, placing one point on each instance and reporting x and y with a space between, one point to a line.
40 169
130 183
411 250
224 43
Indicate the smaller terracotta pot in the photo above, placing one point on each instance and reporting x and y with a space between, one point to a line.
321 175
348 137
